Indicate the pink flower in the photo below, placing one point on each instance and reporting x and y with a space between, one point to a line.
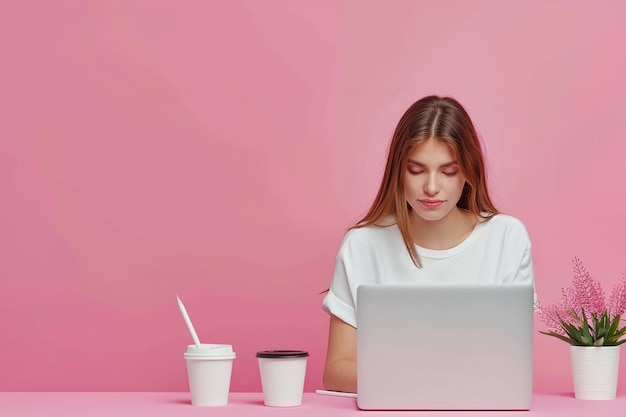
585 294
552 315
617 300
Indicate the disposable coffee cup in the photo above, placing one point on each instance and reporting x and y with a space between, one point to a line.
282 376
209 368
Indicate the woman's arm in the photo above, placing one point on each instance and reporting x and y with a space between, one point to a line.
340 367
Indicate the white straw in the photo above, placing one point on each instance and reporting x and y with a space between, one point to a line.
335 393
194 336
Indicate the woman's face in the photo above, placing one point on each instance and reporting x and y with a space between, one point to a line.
433 182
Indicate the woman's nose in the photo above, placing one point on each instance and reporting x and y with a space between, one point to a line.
432 184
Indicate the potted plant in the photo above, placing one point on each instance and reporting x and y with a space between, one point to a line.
591 326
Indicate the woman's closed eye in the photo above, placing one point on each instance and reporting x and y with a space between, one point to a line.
450 173
416 171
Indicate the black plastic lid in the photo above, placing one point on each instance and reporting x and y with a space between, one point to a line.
280 354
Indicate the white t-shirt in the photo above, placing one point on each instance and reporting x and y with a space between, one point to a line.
498 251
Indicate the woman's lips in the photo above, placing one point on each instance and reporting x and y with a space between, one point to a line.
431 204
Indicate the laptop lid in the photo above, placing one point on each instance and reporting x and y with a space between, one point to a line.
444 347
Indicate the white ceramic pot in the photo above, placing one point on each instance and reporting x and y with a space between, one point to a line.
594 371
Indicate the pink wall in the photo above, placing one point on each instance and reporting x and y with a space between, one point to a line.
218 150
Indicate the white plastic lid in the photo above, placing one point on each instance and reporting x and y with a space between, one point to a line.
210 351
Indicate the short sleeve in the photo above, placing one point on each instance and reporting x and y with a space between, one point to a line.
339 301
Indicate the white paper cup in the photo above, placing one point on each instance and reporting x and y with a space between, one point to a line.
282 376
209 368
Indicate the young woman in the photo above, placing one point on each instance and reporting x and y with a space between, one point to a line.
431 222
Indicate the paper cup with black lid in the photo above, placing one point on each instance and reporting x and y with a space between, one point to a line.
282 376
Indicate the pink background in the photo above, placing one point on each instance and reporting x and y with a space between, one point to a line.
218 150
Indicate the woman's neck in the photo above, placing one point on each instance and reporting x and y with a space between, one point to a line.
445 233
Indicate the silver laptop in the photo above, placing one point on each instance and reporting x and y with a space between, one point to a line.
444 347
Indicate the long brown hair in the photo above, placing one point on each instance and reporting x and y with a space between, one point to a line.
441 118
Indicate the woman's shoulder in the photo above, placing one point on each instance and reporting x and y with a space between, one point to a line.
506 224
371 235
505 221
